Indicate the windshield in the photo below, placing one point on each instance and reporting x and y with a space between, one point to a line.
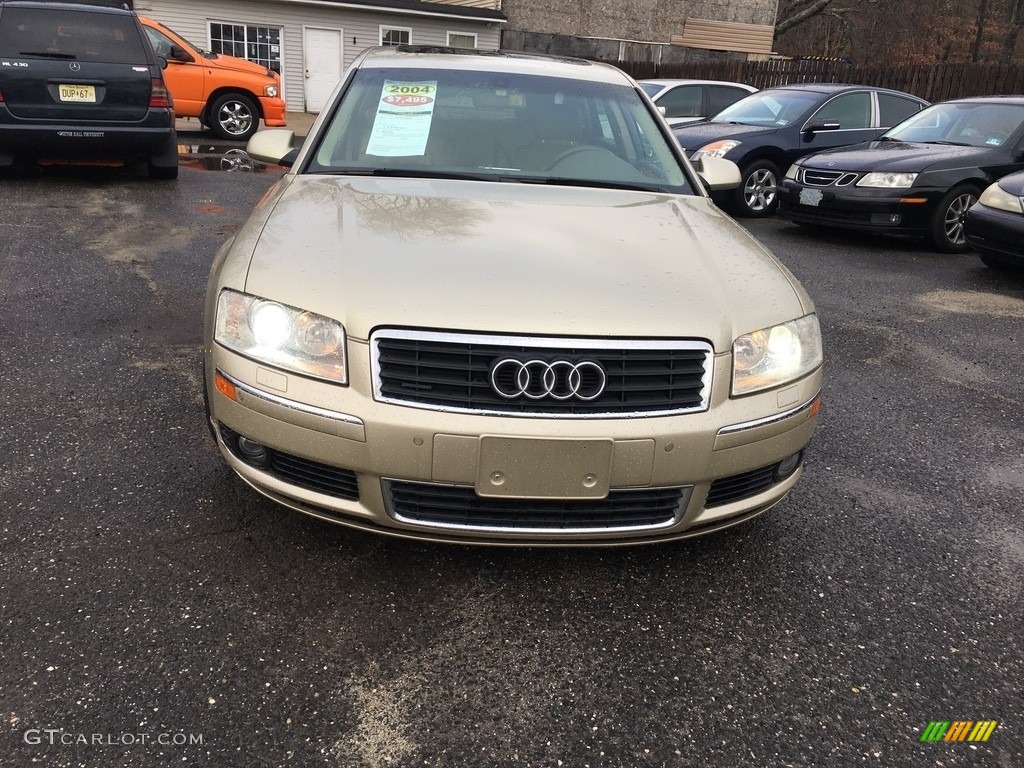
773 107
497 126
651 89
967 124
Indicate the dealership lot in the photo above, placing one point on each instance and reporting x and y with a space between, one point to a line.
157 611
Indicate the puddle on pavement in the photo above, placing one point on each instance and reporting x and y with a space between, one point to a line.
221 157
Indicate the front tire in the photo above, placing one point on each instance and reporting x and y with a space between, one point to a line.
235 117
757 196
947 225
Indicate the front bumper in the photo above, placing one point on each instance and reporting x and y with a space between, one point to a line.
997 233
338 454
273 109
903 214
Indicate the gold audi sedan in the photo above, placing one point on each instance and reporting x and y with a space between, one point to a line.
491 302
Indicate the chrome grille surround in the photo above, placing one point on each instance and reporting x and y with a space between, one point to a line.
686 364
457 507
816 177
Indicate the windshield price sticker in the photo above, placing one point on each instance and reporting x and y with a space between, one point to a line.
402 123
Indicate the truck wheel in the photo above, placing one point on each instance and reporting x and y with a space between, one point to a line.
234 116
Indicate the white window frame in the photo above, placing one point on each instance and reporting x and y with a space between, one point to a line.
388 28
448 39
280 45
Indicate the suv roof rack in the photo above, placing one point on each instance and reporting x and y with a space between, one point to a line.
128 5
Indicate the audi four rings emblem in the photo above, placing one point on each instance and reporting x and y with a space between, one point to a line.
538 379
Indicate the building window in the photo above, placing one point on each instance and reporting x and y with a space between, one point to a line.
461 40
248 41
395 36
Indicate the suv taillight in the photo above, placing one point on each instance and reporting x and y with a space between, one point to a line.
158 95
1 97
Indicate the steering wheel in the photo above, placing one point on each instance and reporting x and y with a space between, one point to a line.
573 151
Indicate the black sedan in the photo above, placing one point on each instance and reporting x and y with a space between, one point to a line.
766 131
917 180
994 226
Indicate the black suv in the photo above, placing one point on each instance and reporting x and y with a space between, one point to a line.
80 82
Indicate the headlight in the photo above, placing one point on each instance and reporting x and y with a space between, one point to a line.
775 356
792 171
273 333
270 90
998 198
716 148
887 180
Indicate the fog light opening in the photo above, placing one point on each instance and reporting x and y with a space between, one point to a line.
787 467
253 453
886 218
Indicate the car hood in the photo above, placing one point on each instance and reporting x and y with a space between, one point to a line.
520 258
236 64
896 156
695 135
1014 184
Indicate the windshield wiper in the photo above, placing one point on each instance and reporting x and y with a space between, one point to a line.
594 183
403 173
950 143
48 54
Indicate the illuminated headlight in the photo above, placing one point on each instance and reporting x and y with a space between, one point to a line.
775 356
792 172
282 336
270 90
887 180
998 198
716 149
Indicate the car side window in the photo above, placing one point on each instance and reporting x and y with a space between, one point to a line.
850 110
682 101
721 96
161 43
894 109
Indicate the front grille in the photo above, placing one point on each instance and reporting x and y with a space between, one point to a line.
304 473
818 178
458 506
450 371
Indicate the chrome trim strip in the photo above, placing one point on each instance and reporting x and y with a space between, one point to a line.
293 404
685 492
733 428
543 341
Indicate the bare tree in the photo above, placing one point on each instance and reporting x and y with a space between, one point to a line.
797 12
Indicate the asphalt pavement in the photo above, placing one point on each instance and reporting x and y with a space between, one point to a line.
155 611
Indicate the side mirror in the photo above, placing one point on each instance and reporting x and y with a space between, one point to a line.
274 146
717 173
663 111
179 54
826 125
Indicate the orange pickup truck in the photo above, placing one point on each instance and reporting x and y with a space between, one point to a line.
227 94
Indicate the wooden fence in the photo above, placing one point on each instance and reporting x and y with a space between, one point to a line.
932 82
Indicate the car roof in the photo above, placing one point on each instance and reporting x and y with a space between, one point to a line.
688 81
438 57
1015 100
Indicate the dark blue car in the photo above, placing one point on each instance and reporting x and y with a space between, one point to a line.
766 131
